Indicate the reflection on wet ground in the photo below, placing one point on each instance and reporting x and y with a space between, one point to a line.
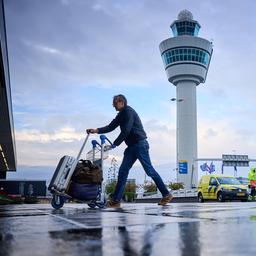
136 229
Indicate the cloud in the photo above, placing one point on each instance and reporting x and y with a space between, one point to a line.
223 138
95 54
49 146
210 133
42 48
66 134
162 139
67 2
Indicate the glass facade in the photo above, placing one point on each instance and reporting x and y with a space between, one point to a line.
181 28
186 54
7 138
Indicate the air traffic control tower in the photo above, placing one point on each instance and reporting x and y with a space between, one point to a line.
186 59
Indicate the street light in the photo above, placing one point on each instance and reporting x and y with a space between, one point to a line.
178 100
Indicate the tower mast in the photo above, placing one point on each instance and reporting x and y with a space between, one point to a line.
186 59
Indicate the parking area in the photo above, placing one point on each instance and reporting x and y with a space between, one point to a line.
136 229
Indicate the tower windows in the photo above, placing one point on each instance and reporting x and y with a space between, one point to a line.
180 28
186 54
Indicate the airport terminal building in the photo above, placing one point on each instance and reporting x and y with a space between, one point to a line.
7 140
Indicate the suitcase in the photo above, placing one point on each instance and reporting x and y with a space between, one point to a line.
64 171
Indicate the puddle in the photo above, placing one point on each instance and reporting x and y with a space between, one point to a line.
77 234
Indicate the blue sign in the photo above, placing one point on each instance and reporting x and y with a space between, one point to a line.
183 167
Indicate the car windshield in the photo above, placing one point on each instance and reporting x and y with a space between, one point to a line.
228 180
243 181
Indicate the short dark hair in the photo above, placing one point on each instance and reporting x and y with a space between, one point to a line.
120 97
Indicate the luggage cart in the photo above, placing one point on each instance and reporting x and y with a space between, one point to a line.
93 195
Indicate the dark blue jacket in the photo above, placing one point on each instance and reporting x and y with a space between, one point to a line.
130 124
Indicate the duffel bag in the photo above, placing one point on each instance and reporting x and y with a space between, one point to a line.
83 192
87 173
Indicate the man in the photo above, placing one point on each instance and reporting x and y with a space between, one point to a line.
133 134
252 180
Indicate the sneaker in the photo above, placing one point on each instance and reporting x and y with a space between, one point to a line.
113 204
165 200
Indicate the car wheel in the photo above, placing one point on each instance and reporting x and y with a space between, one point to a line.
244 200
220 197
200 198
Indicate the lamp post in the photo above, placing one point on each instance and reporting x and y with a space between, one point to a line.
177 132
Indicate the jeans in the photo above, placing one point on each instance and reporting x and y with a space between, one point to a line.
131 154
253 192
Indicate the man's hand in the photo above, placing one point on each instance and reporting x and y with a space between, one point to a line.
109 147
91 130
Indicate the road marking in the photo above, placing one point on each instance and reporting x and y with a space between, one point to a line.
76 223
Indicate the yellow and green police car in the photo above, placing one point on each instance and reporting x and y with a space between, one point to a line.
221 188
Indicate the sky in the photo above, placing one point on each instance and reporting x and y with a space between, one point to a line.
68 58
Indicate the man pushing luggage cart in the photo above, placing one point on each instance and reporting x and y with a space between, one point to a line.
133 134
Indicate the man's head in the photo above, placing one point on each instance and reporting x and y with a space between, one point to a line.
119 102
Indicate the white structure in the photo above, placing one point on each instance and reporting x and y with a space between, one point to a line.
186 60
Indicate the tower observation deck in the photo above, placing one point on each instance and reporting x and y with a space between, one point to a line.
186 59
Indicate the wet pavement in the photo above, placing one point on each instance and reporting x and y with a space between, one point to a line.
136 229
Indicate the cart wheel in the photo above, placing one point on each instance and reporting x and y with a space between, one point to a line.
103 203
92 205
57 201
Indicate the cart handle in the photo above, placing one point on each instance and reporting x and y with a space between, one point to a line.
103 139
95 143
81 150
